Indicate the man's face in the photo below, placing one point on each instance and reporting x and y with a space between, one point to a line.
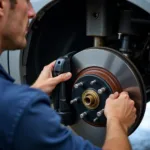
16 27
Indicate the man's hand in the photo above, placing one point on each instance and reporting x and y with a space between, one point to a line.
46 82
121 114
121 108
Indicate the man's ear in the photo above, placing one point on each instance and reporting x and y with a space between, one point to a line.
2 7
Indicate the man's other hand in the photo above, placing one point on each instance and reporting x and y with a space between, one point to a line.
121 108
46 82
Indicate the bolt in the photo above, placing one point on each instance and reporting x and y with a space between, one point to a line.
93 82
74 100
78 85
102 90
99 113
83 115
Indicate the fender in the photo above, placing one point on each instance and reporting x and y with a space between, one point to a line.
143 4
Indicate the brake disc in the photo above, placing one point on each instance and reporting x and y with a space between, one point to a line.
97 73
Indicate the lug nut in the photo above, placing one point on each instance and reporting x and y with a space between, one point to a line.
83 115
102 90
74 100
78 85
93 82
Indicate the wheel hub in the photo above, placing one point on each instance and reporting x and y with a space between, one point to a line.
92 87
90 99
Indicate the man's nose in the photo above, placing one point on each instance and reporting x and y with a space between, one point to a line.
31 12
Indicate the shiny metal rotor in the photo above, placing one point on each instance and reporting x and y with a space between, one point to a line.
126 74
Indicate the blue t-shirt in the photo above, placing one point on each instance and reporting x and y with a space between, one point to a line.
28 123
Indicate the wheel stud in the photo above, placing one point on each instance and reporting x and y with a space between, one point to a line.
92 82
83 115
94 120
78 85
74 100
101 91
99 113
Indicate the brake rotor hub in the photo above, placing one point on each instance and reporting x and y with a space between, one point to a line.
92 86
97 73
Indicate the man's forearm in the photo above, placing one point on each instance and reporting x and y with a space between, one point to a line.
116 137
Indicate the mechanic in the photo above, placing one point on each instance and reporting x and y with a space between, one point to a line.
26 120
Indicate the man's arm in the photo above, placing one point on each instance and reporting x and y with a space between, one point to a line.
39 128
116 137
121 115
